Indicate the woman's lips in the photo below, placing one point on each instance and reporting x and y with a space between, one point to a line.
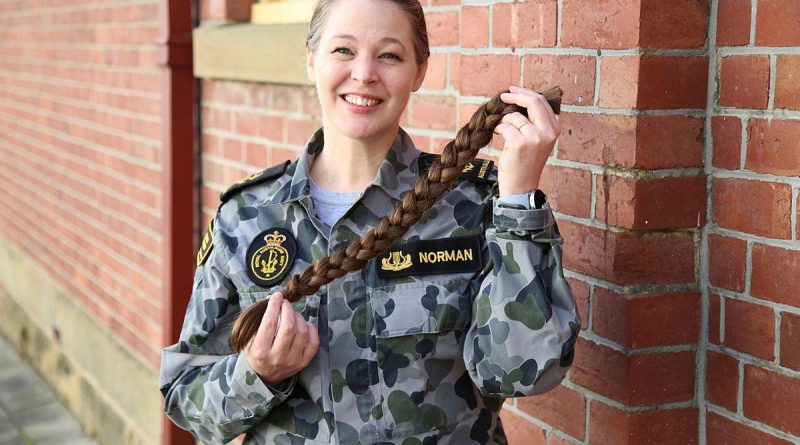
361 104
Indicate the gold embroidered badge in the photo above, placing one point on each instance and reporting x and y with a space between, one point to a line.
270 256
396 261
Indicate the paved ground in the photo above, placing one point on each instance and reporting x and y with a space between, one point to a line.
29 412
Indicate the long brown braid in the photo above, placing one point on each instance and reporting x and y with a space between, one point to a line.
473 136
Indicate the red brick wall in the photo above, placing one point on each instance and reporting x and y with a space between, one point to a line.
753 156
80 138
627 182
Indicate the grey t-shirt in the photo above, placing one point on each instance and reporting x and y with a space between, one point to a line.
330 206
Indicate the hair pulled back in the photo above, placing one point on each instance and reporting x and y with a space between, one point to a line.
473 136
412 8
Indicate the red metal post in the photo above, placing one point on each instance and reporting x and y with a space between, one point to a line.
177 160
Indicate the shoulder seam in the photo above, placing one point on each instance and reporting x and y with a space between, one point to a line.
256 178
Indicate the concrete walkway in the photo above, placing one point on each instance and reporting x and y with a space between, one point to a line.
30 414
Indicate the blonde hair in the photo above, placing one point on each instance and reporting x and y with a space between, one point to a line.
412 8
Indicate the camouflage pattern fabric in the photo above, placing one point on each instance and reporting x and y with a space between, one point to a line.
408 360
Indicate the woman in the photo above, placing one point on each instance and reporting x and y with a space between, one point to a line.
423 344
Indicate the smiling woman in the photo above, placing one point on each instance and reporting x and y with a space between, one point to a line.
461 301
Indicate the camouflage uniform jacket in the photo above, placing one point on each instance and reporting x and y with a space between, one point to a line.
410 353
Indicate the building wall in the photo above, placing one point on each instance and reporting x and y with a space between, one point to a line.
80 241
627 183
753 159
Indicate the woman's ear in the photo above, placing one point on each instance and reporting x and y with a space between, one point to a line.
420 77
310 64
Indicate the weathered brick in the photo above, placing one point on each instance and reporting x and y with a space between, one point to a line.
519 430
485 75
790 338
776 274
733 22
661 203
610 24
787 82
756 207
722 380
648 82
619 81
727 145
627 257
435 112
611 426
580 290
643 321
442 27
474 26
672 82
562 408
673 24
648 142
776 23
568 189
750 328
723 431
575 75
771 397
638 379
744 81
525 24
726 262
773 147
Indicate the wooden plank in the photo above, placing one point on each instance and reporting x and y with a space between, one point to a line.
248 52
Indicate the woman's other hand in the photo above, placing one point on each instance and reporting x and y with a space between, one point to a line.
528 141
284 344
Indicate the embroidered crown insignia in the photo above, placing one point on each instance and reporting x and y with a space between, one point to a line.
274 239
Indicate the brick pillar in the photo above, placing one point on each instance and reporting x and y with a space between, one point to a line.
753 353
629 187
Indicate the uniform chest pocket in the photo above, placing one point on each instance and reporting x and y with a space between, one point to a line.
420 328
421 307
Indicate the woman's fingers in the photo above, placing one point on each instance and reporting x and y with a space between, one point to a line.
539 110
286 330
269 322
300 338
311 345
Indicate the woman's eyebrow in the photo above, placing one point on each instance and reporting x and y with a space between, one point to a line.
382 40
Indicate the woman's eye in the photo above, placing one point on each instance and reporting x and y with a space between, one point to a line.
393 56
342 50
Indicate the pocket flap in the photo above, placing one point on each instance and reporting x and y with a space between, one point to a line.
421 307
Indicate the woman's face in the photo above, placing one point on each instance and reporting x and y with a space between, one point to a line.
364 68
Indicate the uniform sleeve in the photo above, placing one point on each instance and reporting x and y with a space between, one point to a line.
525 320
209 390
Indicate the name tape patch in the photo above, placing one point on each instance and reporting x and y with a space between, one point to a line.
270 256
477 170
206 245
430 257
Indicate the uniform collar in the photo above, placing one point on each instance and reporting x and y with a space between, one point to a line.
397 173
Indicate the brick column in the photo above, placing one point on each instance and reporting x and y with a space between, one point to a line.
628 185
753 156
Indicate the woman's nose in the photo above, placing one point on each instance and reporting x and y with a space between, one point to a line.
364 70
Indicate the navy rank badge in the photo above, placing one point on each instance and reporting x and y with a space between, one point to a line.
206 245
270 256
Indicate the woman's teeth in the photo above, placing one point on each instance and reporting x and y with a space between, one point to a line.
360 101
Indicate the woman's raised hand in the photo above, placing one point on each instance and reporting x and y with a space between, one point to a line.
280 350
528 141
